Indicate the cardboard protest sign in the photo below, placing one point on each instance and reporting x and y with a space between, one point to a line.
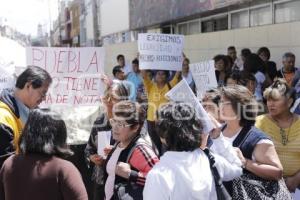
204 76
76 74
183 93
160 51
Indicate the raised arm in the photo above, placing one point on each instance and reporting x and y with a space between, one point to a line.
175 79
146 80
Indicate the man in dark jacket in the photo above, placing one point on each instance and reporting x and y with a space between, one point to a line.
288 71
30 90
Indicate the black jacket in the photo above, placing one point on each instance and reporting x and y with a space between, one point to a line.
100 124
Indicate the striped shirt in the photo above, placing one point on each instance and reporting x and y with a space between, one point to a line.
142 160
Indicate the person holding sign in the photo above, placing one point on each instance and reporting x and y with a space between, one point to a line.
30 90
156 97
115 93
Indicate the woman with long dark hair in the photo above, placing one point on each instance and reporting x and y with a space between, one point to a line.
39 172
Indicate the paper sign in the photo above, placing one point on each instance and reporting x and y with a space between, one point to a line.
76 74
103 142
204 76
183 93
160 51
7 80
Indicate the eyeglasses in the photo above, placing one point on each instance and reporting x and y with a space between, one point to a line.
225 103
42 94
118 124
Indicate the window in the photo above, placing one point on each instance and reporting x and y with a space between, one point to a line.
189 28
167 29
216 24
240 19
260 16
182 29
287 11
194 27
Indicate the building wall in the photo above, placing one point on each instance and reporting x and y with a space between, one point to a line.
129 50
114 16
90 23
280 38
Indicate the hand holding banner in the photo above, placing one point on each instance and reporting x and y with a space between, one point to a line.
183 93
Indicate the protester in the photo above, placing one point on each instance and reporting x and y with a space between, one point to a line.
156 97
115 93
245 53
210 103
238 63
233 78
284 128
118 73
121 62
255 65
135 79
39 172
132 157
184 170
30 90
238 111
288 71
264 54
187 75
296 83
222 69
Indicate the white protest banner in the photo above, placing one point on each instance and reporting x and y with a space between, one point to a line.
183 93
160 51
7 80
103 138
204 76
76 73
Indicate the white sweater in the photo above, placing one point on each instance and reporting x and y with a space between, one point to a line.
187 175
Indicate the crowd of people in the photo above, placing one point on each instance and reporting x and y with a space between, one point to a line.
158 148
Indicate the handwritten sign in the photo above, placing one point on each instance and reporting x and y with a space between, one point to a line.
160 51
204 76
76 73
183 93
